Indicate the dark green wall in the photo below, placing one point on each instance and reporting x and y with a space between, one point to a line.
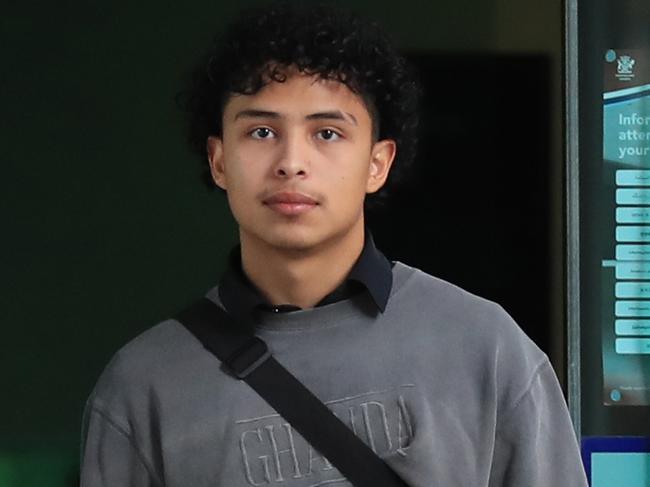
106 226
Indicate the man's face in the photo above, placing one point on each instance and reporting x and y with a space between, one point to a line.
296 160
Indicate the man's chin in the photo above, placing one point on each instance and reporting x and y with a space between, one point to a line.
285 240
294 243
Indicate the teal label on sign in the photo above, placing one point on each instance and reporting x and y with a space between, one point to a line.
633 196
633 346
633 215
633 234
633 308
633 252
633 327
626 177
633 270
620 470
617 461
632 290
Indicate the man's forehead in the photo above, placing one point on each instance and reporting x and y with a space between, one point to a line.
309 94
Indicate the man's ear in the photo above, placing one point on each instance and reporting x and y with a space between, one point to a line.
381 159
214 147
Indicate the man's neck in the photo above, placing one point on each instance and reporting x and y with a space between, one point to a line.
301 278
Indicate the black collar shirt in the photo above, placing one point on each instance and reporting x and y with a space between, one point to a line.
371 273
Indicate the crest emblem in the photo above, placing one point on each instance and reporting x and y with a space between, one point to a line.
625 68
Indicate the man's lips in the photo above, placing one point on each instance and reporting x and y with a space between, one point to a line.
290 203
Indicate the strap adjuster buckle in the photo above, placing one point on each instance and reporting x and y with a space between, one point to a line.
248 357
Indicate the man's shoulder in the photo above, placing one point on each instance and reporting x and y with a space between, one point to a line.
469 332
454 311
162 341
147 361
415 286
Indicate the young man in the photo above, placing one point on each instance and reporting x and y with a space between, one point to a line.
302 113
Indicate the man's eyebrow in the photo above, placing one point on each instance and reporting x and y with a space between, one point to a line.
251 113
333 115
327 115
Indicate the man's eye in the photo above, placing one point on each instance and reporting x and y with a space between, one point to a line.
262 133
328 134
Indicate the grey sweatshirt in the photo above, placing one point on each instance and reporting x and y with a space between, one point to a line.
443 385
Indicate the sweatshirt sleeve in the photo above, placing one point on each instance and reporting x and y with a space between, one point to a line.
109 456
535 443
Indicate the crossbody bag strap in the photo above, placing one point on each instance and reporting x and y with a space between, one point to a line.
247 357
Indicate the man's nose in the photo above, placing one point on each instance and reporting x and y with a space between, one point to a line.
293 159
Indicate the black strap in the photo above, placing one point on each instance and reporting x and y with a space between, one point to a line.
248 358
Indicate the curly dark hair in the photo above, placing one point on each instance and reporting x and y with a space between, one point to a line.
322 40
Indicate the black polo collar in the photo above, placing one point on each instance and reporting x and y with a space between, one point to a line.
372 272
